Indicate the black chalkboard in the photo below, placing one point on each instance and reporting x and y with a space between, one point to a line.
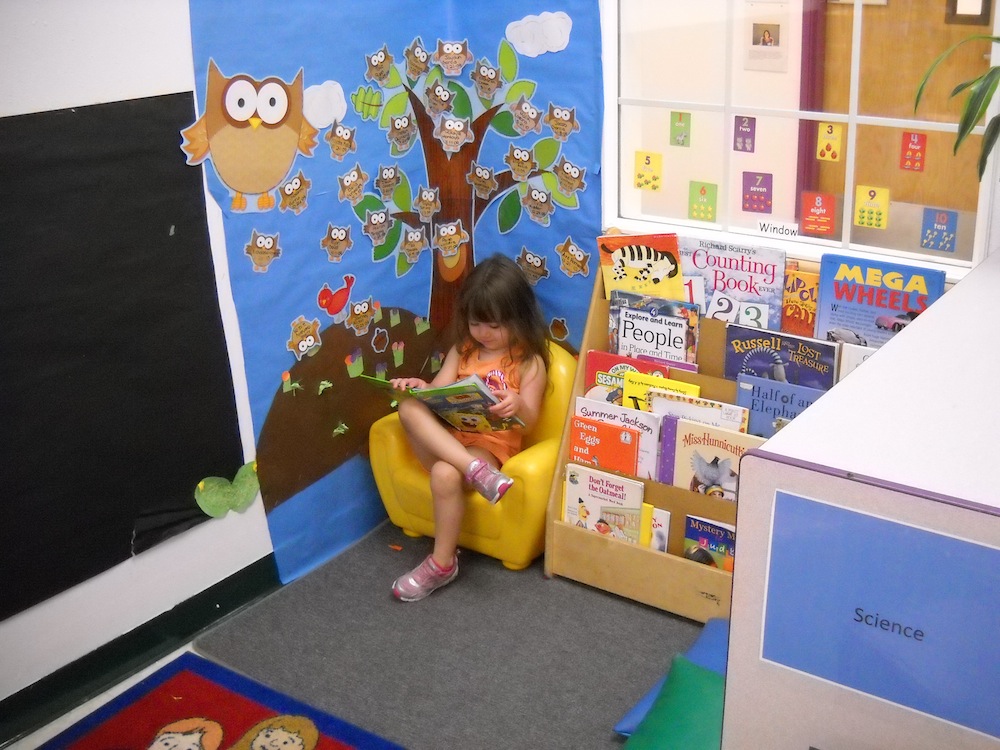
116 394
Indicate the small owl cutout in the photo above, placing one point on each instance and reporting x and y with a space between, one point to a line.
417 59
572 260
377 225
482 180
452 56
526 117
569 177
387 180
533 266
379 66
305 340
521 162
413 243
427 203
453 133
402 132
360 316
449 238
262 250
336 242
439 99
538 204
487 80
341 140
562 120
294 194
352 185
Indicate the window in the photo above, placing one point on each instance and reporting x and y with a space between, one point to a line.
792 123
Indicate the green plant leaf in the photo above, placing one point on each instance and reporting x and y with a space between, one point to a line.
402 196
433 77
370 202
944 55
396 105
503 123
980 94
546 152
519 89
381 252
509 212
989 140
507 61
461 107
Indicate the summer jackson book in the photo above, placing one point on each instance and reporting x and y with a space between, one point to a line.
867 302
606 503
780 356
463 404
647 424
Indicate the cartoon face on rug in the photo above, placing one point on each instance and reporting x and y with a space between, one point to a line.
521 162
379 65
377 225
336 242
262 249
527 118
533 265
487 79
294 194
562 120
482 180
449 238
417 59
452 56
453 133
569 177
352 185
341 140
387 180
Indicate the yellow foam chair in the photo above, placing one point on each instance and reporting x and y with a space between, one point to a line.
513 530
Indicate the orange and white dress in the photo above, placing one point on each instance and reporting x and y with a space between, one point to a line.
499 374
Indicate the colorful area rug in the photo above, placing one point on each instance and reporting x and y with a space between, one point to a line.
194 704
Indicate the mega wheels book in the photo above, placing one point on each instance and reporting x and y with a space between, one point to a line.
867 302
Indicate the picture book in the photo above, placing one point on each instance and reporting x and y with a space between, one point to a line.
865 301
851 357
798 310
668 447
707 458
772 404
607 446
604 374
736 283
464 404
637 384
606 503
646 263
780 356
710 542
647 424
659 529
652 326
696 409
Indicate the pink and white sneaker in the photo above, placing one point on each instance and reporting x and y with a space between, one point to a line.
487 481
423 580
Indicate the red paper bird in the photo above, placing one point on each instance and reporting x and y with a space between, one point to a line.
335 302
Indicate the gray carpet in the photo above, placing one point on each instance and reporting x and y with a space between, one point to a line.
497 659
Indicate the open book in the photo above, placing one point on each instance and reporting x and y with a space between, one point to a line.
464 404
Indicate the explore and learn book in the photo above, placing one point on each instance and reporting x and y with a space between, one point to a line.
606 503
866 302
780 356
463 404
710 542
647 325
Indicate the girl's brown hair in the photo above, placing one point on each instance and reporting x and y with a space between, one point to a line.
497 291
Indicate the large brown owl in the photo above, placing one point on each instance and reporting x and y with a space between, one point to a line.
252 130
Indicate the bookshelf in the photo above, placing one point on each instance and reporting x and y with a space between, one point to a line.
666 581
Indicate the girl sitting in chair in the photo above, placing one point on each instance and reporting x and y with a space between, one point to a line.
500 334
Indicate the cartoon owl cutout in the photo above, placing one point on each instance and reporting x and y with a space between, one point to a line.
439 99
387 180
361 315
352 185
487 79
262 249
341 140
253 130
417 59
294 194
521 162
427 203
538 204
336 242
305 340
527 118
377 225
562 120
379 66
452 56
569 177
482 180
449 238
533 265
454 133
413 243
402 132
572 260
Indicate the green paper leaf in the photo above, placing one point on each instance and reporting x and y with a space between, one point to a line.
395 79
403 266
509 212
546 152
395 106
507 58
381 252
503 123
402 196
461 106
370 202
519 89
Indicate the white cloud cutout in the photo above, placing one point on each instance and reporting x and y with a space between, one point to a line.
324 103
535 35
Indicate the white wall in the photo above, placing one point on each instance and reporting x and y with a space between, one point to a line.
62 53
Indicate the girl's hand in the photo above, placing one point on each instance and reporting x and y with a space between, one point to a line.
510 404
404 384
